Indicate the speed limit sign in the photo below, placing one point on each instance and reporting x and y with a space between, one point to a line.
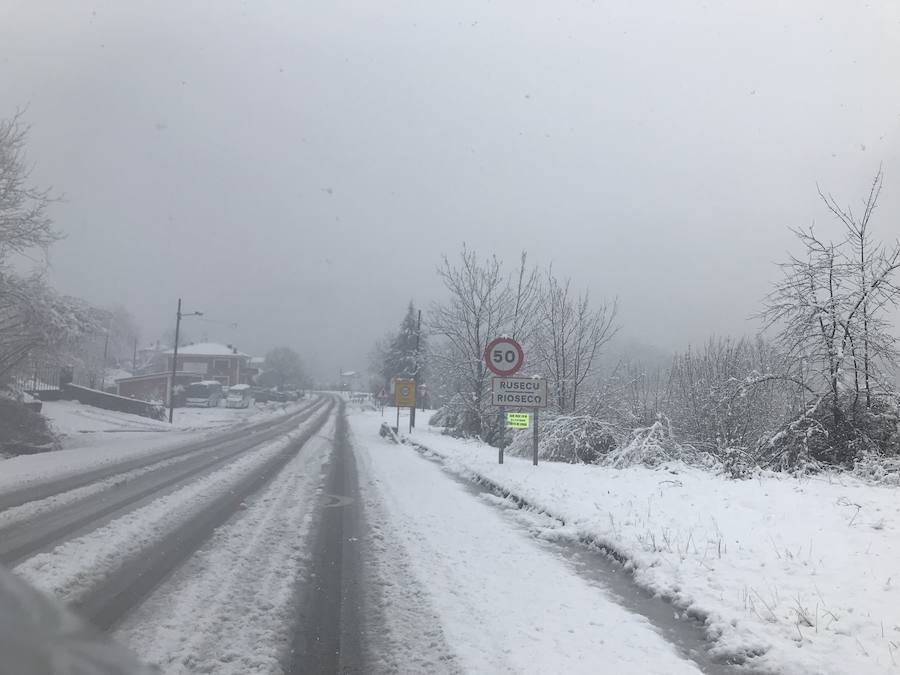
504 356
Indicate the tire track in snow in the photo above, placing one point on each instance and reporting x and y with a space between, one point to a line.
108 571
230 608
61 517
327 637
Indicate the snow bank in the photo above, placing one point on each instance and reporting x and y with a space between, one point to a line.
70 418
93 437
461 590
799 576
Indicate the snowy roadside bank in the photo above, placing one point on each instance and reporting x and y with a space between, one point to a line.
457 589
797 576
93 438
76 422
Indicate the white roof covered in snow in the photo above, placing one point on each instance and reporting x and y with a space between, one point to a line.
207 349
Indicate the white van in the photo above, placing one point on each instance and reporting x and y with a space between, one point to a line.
239 396
206 394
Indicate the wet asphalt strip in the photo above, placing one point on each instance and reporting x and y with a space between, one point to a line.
328 632
605 568
128 586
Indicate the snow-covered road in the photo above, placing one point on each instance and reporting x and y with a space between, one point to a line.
230 608
38 515
460 588
313 545
113 544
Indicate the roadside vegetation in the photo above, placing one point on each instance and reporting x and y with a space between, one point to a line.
23 430
815 389
36 322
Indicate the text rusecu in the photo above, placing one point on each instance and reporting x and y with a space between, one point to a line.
515 392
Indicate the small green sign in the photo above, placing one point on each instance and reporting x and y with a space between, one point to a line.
517 420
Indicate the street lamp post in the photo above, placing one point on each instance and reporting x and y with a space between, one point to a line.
178 316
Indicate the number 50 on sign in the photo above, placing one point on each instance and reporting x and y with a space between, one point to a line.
503 356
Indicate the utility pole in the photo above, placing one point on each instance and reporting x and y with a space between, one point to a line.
178 316
419 361
174 364
412 410
105 353
134 358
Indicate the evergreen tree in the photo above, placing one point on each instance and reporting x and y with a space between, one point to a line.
402 353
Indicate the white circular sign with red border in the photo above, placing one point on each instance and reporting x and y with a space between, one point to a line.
504 356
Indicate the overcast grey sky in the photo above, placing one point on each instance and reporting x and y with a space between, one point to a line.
298 168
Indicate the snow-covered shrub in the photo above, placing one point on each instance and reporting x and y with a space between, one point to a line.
877 469
457 419
442 417
846 435
22 430
722 396
591 440
654 446
569 438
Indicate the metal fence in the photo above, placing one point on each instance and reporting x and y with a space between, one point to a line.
37 378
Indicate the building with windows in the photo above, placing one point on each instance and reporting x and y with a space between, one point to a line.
213 361
155 387
196 362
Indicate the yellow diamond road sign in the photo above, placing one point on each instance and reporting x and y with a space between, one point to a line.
517 420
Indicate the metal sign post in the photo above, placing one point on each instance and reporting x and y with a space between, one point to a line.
412 408
520 392
500 415
504 357
404 397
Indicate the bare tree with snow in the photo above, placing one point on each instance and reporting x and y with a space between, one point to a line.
570 336
33 318
829 313
483 302
869 267
38 323
24 223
